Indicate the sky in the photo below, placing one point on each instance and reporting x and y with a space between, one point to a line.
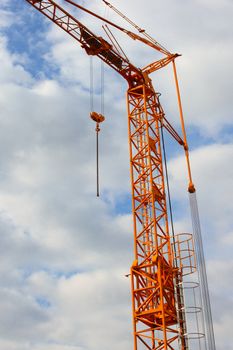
65 252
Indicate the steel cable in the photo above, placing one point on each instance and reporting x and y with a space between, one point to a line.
91 85
201 266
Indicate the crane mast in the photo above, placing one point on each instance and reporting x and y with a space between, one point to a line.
153 273
157 295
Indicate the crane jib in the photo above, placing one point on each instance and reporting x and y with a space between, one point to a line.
96 46
93 44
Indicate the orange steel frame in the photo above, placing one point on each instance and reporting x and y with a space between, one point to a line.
155 315
158 316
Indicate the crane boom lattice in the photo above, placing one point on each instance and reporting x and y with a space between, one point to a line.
93 44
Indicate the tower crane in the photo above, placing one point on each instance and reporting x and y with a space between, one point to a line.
159 319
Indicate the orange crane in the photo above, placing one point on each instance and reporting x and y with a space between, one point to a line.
159 320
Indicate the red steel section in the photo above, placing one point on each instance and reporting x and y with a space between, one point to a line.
98 46
94 45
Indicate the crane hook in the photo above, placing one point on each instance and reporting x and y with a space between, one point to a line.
98 118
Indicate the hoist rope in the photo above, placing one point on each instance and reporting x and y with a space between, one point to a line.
178 279
91 85
168 193
201 267
93 113
97 163
102 89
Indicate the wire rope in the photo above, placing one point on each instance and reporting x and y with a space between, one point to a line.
102 109
168 193
205 298
178 280
91 85
97 163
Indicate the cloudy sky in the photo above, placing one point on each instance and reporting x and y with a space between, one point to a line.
65 253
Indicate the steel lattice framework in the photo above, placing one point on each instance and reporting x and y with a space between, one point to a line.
152 273
158 319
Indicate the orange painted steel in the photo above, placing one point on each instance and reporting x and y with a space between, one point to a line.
153 274
191 187
156 276
94 45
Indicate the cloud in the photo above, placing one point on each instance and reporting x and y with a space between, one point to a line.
12 71
65 252
210 165
213 177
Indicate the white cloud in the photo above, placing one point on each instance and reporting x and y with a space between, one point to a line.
212 172
228 239
12 71
6 18
65 252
